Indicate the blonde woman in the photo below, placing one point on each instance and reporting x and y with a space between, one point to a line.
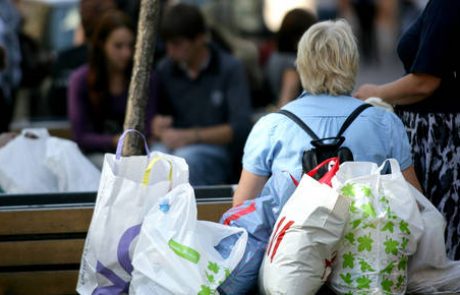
327 62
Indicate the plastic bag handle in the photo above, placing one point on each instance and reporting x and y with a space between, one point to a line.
326 179
240 212
148 170
394 166
122 139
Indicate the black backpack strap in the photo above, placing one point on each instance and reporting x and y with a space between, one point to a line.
352 117
299 122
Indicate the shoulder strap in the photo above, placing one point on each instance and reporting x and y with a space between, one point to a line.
299 122
312 134
352 117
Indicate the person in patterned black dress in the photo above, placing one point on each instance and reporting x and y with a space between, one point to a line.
428 102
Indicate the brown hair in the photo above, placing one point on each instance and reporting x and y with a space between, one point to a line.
294 24
182 21
90 13
98 82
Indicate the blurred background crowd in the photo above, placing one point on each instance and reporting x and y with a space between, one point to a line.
45 45
47 39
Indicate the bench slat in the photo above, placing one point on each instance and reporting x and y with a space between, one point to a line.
74 220
71 220
48 252
39 283
43 252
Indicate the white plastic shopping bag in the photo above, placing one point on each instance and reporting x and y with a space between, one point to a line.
22 164
304 240
178 255
430 271
384 228
73 171
129 188
35 162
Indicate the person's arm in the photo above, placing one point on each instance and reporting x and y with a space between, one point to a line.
249 186
411 177
409 89
175 138
290 85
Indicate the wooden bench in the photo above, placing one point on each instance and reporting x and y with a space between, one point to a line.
42 237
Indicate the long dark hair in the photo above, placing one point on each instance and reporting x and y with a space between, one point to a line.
294 24
98 82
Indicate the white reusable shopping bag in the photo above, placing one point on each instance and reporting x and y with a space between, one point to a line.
429 270
129 188
384 228
178 255
304 240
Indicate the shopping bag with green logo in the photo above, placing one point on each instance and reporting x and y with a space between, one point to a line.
384 227
178 254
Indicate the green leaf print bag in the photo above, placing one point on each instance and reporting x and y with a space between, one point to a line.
384 227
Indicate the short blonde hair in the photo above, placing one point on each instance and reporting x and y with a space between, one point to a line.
328 58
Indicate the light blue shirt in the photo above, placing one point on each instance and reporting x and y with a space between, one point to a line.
276 143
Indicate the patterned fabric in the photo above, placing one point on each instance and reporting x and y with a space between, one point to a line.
435 140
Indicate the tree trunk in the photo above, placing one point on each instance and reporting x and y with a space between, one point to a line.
139 85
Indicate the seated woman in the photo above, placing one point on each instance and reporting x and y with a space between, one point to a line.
281 74
327 61
98 91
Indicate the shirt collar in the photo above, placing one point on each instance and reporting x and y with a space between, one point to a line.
211 64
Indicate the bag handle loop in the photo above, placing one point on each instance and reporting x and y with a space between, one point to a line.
327 177
148 170
122 139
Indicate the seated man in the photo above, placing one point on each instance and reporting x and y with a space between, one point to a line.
204 102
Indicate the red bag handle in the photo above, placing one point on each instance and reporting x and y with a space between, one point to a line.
240 212
326 179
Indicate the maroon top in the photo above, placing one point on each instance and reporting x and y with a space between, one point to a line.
94 132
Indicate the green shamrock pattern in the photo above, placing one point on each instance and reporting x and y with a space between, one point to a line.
213 271
372 254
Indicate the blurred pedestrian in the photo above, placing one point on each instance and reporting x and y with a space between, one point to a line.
98 91
366 12
204 101
71 58
10 75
